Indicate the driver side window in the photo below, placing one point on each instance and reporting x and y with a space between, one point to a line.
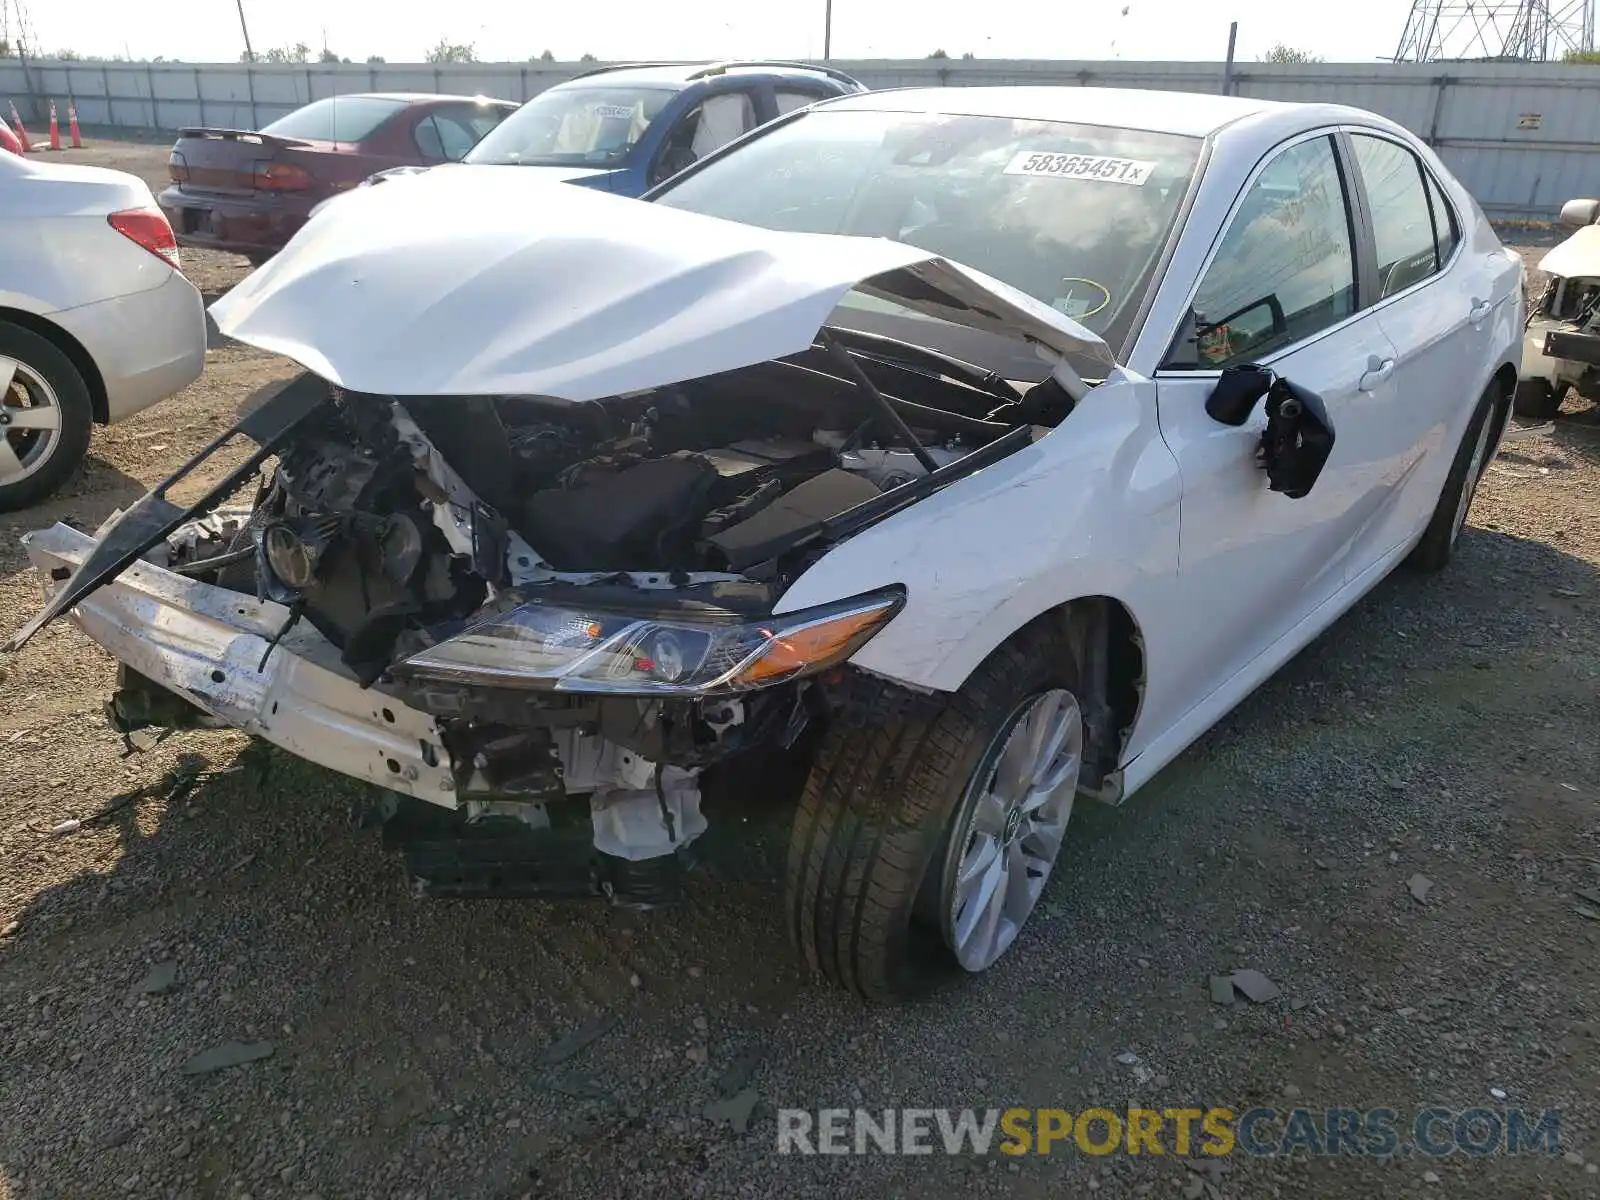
709 126
1286 267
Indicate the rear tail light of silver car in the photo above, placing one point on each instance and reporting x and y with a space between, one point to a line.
148 228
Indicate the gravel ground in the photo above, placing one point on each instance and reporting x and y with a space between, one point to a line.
1444 728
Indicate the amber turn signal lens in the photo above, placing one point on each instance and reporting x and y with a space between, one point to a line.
813 646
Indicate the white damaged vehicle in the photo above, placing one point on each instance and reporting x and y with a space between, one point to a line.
1562 347
979 459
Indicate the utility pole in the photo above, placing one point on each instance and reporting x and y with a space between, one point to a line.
827 31
23 45
249 54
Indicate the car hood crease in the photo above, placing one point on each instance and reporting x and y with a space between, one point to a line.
486 281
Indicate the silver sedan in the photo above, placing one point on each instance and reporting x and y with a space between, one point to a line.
96 320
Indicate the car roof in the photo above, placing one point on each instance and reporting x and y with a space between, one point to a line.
1190 114
682 74
418 97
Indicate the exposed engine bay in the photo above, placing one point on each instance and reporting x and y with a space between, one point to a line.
398 527
389 521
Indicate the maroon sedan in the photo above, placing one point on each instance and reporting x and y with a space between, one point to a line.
249 192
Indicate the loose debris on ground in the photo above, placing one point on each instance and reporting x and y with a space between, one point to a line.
226 989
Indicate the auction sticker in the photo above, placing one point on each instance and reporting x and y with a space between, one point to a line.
1081 166
618 111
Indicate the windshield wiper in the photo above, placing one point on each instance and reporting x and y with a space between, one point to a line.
909 352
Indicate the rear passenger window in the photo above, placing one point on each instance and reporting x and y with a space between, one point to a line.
473 120
429 142
1285 269
1446 232
1402 218
442 136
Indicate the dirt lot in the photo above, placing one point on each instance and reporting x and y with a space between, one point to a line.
1445 728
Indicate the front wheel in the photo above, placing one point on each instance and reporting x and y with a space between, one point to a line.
922 845
45 417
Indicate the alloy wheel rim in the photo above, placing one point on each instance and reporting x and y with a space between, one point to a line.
1013 821
30 421
1469 485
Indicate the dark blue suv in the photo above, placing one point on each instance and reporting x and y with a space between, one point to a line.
626 128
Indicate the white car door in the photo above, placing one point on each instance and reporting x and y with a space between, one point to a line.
1282 289
1434 303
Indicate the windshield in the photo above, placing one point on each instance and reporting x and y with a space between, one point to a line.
573 127
336 119
1074 215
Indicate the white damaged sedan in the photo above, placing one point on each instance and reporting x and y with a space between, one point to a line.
980 448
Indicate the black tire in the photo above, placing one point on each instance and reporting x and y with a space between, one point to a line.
77 415
1437 547
1536 400
874 821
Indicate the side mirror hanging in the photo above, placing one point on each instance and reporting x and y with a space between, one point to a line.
1297 440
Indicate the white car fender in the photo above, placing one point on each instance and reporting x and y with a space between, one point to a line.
1091 509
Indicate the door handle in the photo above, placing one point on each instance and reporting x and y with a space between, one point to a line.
1377 371
1479 310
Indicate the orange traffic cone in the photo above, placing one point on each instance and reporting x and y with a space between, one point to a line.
72 125
22 132
55 128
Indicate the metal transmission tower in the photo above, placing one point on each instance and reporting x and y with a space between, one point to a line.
16 28
1522 30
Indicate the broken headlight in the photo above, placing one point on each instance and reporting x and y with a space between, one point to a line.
569 649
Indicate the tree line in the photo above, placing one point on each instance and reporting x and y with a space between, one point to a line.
443 51
446 51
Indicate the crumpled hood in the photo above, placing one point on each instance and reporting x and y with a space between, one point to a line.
492 281
1576 258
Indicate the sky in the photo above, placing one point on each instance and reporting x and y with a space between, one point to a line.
515 30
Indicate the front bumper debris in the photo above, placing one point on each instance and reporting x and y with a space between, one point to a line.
151 518
207 644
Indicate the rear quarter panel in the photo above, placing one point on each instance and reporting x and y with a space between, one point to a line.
1501 276
393 139
56 249
391 144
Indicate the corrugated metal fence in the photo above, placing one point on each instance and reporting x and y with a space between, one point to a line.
1524 137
